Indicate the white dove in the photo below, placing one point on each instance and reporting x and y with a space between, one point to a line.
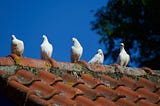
98 58
17 46
123 58
76 51
46 48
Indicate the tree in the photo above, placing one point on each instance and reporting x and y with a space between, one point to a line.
136 23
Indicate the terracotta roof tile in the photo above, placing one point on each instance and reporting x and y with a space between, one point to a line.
33 82
108 81
68 66
129 70
34 100
17 92
48 78
108 93
125 102
130 95
38 88
83 101
30 62
23 77
103 102
148 70
128 82
67 90
145 103
101 68
150 96
59 100
34 63
88 92
3 74
15 85
71 80
146 84
91 81
6 61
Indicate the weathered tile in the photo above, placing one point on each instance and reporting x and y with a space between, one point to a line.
48 77
125 102
91 81
67 90
59 100
88 92
83 101
103 102
6 61
150 96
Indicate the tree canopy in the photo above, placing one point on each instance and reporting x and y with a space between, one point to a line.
136 23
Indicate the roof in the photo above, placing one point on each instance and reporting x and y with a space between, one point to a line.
32 82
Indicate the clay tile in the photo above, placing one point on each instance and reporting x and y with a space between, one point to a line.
24 77
148 70
107 92
34 100
83 101
71 80
4 74
48 77
59 100
8 61
18 86
91 81
39 89
16 92
88 92
115 65
30 62
100 68
52 62
97 67
108 81
67 90
84 63
145 103
68 66
150 96
125 102
129 93
146 84
127 82
60 65
103 102
118 68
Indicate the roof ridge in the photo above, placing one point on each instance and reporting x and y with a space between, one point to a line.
77 69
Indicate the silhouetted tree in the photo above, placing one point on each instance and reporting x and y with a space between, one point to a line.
136 23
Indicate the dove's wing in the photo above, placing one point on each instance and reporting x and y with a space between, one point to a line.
95 59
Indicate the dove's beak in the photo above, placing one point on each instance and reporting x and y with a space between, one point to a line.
122 45
73 39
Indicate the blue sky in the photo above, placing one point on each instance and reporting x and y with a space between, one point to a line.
60 20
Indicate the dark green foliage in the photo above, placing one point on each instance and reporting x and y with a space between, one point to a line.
136 23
